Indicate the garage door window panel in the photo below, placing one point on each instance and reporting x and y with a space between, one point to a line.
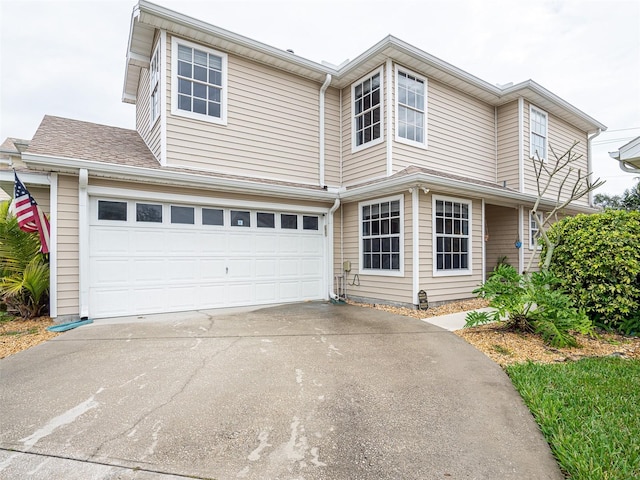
289 222
182 215
309 222
240 218
148 212
112 210
266 220
212 216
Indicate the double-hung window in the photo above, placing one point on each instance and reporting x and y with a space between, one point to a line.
199 82
154 87
452 236
538 139
367 110
410 108
381 236
534 230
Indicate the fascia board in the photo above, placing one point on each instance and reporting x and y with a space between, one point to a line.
422 180
522 88
183 179
166 14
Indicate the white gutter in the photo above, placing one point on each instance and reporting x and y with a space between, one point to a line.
175 177
590 161
330 261
323 89
624 167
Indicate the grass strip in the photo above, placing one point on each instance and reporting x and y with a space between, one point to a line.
589 412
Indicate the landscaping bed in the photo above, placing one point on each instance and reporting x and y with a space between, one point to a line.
17 334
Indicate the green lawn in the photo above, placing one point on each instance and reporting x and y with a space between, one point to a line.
589 412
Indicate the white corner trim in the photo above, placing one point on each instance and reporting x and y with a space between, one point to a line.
53 245
521 144
390 102
321 132
415 225
83 242
163 98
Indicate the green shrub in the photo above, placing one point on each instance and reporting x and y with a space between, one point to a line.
597 260
531 302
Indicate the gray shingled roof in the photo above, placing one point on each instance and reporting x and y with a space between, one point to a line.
63 137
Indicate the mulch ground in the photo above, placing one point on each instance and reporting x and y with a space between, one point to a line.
17 334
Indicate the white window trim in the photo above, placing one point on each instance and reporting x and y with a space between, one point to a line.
354 147
531 233
532 153
174 83
379 272
398 138
155 84
434 236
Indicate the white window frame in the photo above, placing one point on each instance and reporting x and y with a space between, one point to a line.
379 140
545 135
398 138
381 272
154 85
469 236
534 230
174 83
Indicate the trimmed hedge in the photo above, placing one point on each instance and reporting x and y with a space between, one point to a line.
598 263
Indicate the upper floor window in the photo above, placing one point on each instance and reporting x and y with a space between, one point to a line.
154 88
411 106
381 241
452 236
538 128
199 82
367 110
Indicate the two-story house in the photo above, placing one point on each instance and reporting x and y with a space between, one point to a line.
255 176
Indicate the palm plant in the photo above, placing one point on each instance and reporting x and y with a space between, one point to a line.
24 271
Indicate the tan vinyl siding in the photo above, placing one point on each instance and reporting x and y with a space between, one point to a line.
508 139
560 136
377 287
455 287
67 247
42 196
272 128
369 162
332 137
502 233
460 136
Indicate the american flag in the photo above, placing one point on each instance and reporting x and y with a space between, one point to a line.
30 216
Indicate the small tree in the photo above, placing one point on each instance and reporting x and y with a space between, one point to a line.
561 168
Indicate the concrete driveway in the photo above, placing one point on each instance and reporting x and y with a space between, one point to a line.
306 391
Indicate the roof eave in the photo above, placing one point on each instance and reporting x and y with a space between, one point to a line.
172 177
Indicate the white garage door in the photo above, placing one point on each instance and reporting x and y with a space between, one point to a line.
149 257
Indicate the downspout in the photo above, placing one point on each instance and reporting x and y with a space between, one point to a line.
589 161
323 89
330 262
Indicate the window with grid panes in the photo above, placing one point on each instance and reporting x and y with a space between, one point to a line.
381 230
367 110
411 107
538 138
452 235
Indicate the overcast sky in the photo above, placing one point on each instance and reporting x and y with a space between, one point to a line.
67 58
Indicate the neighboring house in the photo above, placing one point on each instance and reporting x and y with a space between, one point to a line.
628 156
255 176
